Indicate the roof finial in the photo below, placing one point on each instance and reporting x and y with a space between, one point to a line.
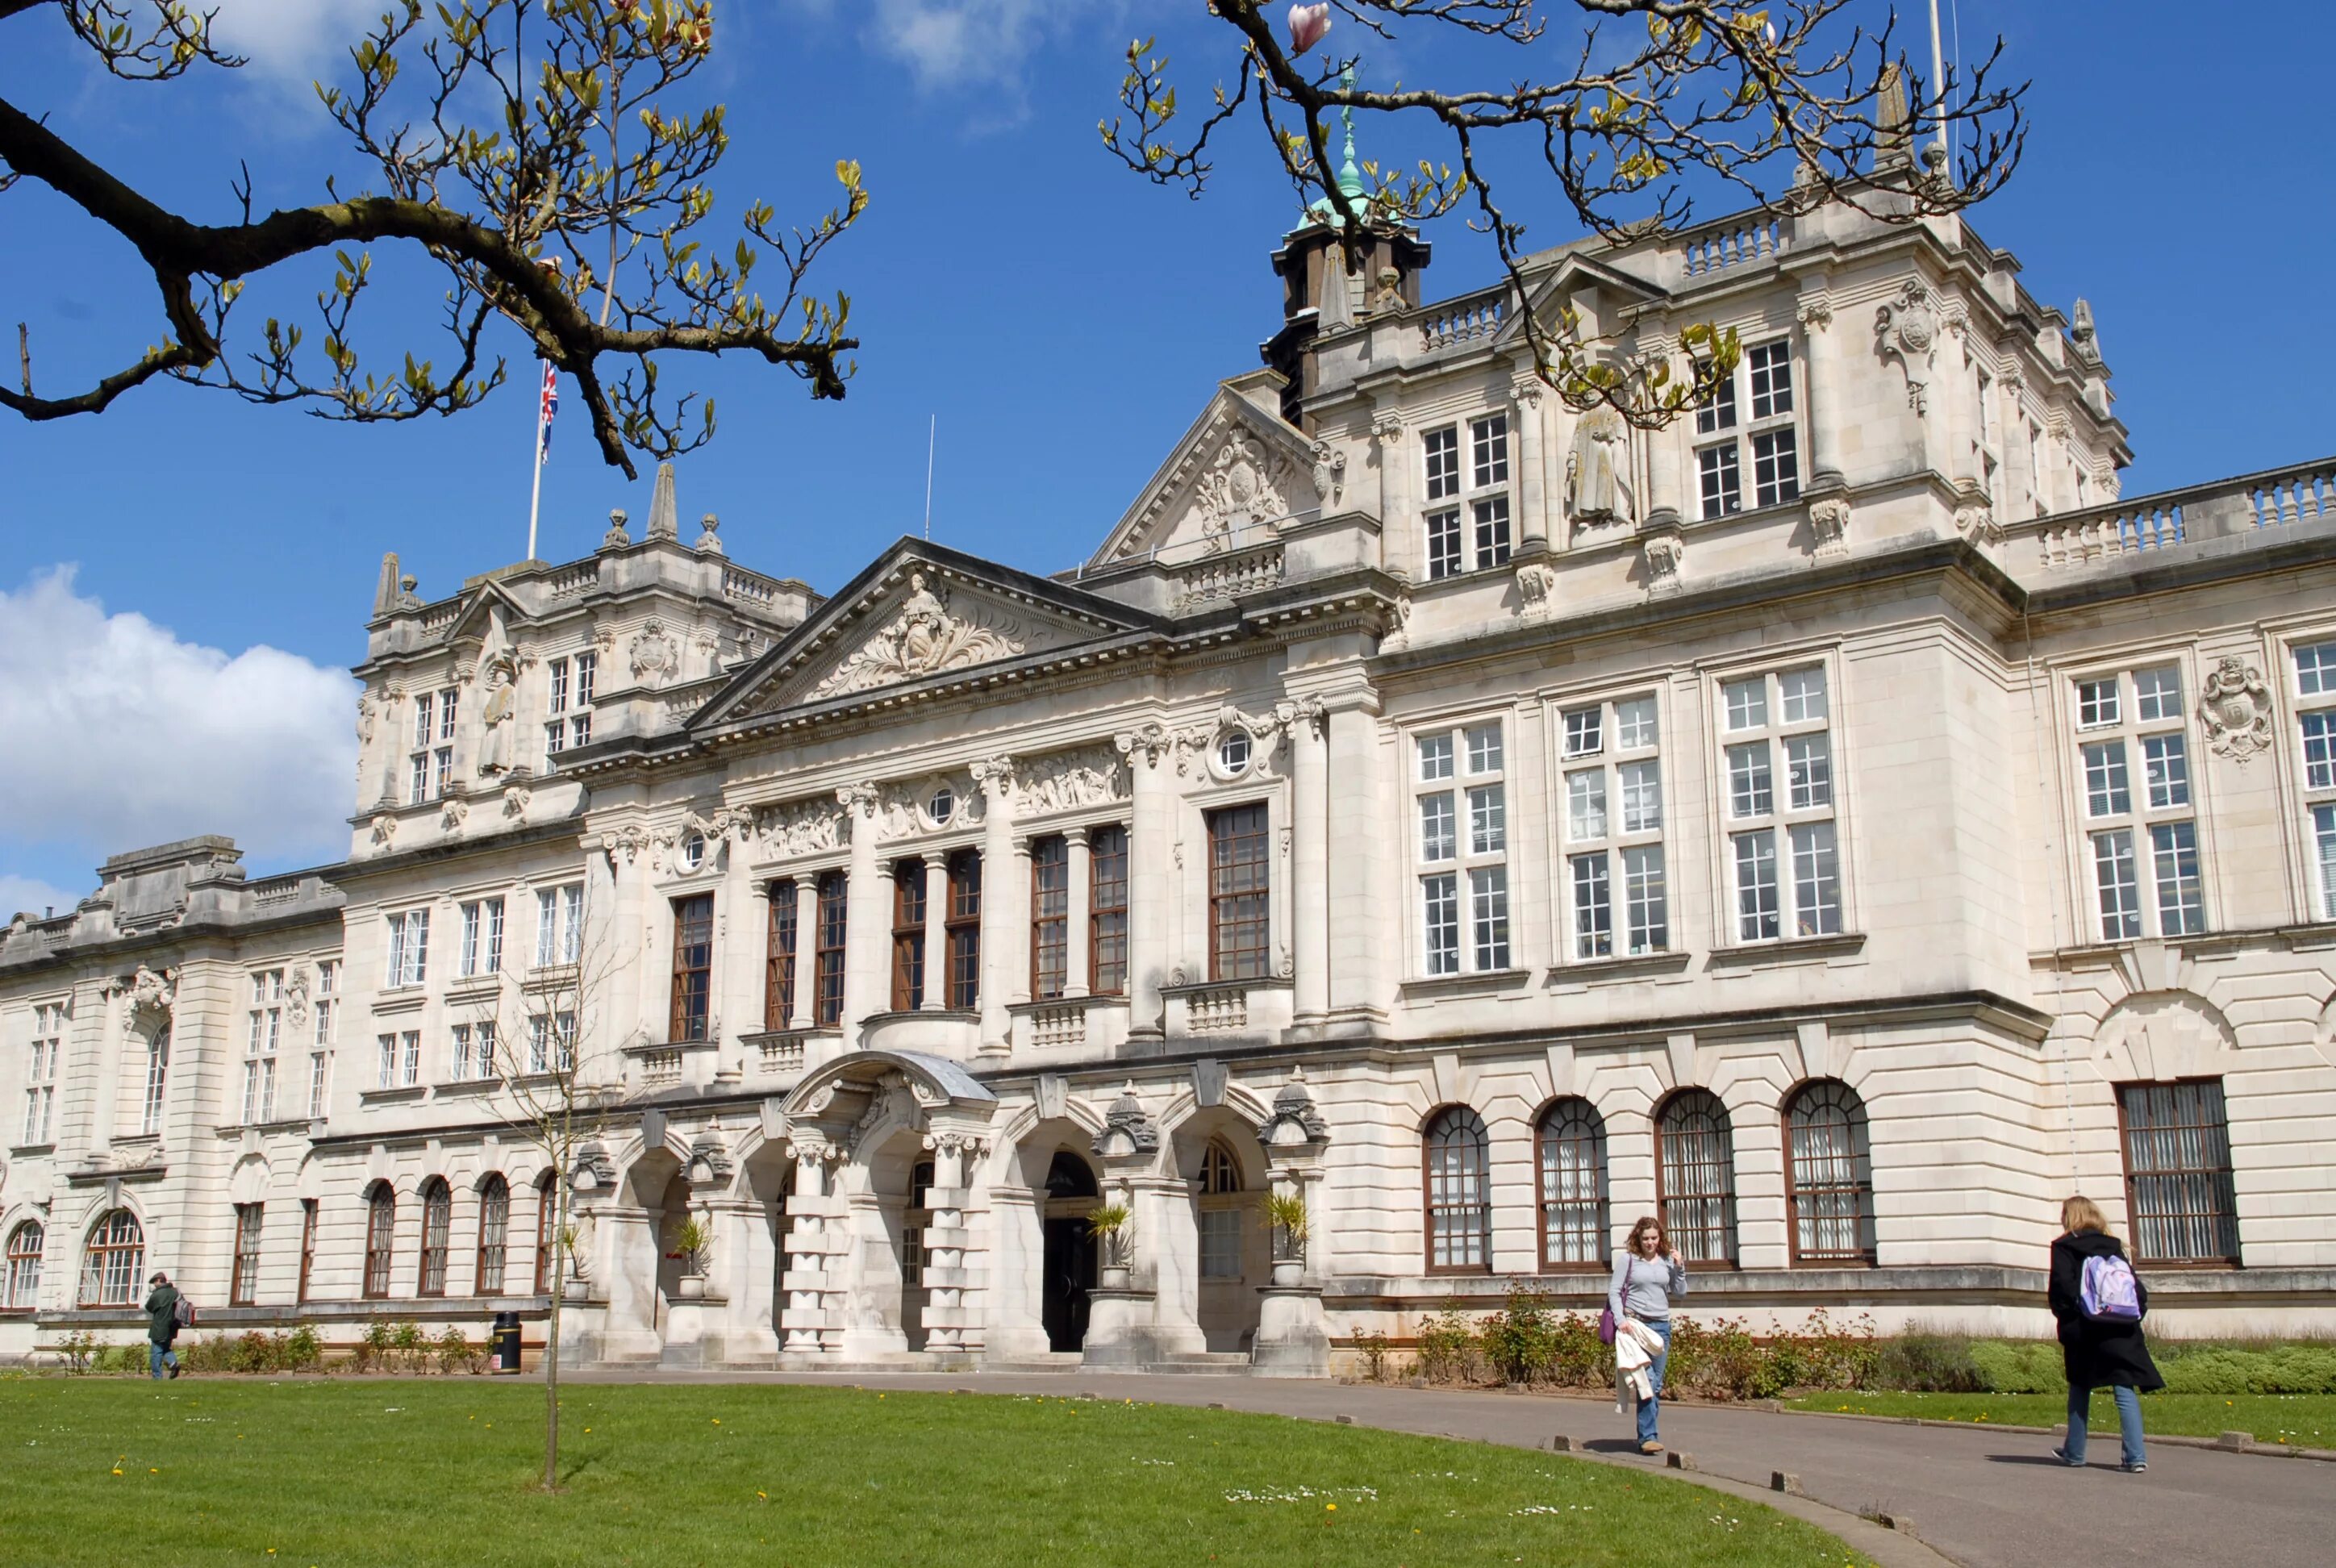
1350 178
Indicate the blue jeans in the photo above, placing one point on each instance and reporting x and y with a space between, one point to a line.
160 1356
1649 1409
2128 1406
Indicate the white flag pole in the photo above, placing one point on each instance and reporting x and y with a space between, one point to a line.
535 498
932 429
1939 83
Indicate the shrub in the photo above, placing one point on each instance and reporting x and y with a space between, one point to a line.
407 1341
79 1348
1447 1347
1926 1364
2235 1369
373 1350
1519 1340
302 1351
1374 1346
120 1359
454 1352
1578 1359
2029 1367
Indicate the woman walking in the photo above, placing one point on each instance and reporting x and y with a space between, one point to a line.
2098 1305
1647 1275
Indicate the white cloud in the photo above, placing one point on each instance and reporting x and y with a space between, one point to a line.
300 39
119 734
971 42
30 896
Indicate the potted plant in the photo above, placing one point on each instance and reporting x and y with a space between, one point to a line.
1286 1213
693 1239
577 1285
1109 1226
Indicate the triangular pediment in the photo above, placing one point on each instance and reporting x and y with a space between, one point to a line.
920 613
1238 475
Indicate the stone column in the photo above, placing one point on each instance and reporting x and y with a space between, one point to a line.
1362 967
1820 399
936 934
947 1279
1309 866
1960 413
810 1320
1077 962
868 927
1398 546
1150 882
612 916
754 968
1531 490
1001 893
1664 459
800 1005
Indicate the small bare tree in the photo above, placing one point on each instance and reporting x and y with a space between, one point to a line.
556 1085
530 148
1631 106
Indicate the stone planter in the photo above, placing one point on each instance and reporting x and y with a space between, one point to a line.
1288 1272
1112 1277
693 1287
576 1289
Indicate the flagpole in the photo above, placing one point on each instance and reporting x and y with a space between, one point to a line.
1939 83
535 498
932 428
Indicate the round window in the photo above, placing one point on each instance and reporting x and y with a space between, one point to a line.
693 851
941 807
1232 752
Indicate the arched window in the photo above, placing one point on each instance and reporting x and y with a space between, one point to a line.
1069 1177
1572 1171
24 1282
1458 1176
494 1235
114 1261
381 1235
1220 1207
1828 1174
1696 1176
437 1223
546 1210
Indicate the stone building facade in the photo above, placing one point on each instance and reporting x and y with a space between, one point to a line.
1836 820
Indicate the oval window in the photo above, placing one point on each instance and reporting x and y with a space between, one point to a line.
1232 752
693 851
941 807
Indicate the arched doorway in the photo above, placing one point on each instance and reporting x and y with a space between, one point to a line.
1067 1266
1233 1249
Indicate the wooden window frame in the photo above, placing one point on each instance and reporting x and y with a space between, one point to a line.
782 942
831 916
909 976
693 982
1730 1224
961 933
1107 920
98 1251
1220 1191
1429 1208
494 1237
2135 1224
1862 1172
17 1255
243 1276
1228 832
380 1242
1601 1234
1050 931
308 1213
437 1237
547 1208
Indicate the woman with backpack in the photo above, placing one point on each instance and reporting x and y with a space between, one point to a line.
2098 1304
1647 1275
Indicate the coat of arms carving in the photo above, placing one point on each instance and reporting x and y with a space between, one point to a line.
2234 704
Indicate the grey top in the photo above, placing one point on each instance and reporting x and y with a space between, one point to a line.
1653 1282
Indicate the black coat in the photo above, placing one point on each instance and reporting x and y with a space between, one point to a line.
2096 1355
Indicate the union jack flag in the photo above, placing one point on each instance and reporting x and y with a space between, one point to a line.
550 405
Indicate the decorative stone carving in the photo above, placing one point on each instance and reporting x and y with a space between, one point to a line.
495 718
631 839
591 1169
1975 520
517 798
452 815
1663 555
1329 475
1151 739
859 800
1815 312
967 1145
1066 781
994 776
727 822
904 809
1596 490
802 827
297 988
1297 1123
924 639
1906 329
709 1162
1244 484
655 654
365 721
709 542
1127 1131
148 998
1264 730
384 832
616 538
1536 582
1829 526
2234 704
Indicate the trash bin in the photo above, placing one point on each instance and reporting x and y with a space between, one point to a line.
504 1342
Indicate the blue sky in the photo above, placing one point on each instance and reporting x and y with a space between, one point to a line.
1060 319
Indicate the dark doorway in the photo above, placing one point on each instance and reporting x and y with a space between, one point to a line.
1068 1272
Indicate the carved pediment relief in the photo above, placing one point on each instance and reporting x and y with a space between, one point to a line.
1069 781
1237 477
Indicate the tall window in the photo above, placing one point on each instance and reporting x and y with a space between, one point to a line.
42 1071
558 925
1460 805
551 1041
1828 1174
2178 1193
1050 917
430 768
1240 893
494 1235
1618 899
437 1227
1745 428
474 1050
1696 1176
158 1082
320 1045
482 937
961 930
308 1245
908 936
1467 520
2133 764
26 1243
568 704
114 1260
2315 703
779 949
693 966
1570 1144
1777 760
409 950
381 1240
243 1282
1108 910
400 1060
1219 1213
547 1213
1459 1182
261 1042
827 979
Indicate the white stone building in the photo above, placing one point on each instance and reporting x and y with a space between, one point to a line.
1837 819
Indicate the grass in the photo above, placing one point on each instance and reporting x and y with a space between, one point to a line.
2302 1420
389 1471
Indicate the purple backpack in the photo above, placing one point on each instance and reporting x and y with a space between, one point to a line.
2109 1293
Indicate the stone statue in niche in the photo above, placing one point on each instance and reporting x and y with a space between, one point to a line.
495 720
1596 489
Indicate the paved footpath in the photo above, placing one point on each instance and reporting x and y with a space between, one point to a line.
1989 1499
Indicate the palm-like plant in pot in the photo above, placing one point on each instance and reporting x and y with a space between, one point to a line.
1286 1212
1110 1226
693 1243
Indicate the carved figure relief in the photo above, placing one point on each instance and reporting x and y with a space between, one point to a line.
495 719
1536 582
295 993
1907 329
384 832
1662 554
655 654
631 841
1329 475
924 639
1596 489
802 827
148 998
1244 485
365 721
1829 526
2234 704
1091 775
516 799
451 816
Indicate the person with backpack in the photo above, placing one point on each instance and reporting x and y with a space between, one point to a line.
2098 1304
1646 1274
167 1312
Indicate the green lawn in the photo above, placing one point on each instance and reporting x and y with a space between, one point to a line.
442 1471
2304 1421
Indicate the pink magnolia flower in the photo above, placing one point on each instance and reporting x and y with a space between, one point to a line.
1308 24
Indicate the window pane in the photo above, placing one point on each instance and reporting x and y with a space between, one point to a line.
1434 757
2097 703
2315 669
2166 764
2320 750
1722 484
1484 749
1746 702
1756 886
2113 878
1802 693
1443 449
1771 366
1643 796
1809 766
1593 911
1634 723
1829 1175
1492 531
1438 830
1238 893
1488 893
2107 791
1816 881
1716 410
2323 832
1584 734
1488 832
1444 558
1776 468
2177 1163
1750 787
2180 905
1459 1192
1646 906
1573 1185
1107 896
1697 1172
1221 1238
1440 923
2157 693
1585 805
1489 447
